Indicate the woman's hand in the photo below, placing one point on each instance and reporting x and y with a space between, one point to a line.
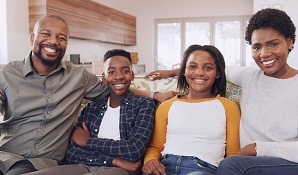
161 74
248 150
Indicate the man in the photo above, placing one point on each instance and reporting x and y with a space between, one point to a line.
40 97
112 132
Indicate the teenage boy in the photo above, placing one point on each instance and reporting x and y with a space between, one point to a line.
113 132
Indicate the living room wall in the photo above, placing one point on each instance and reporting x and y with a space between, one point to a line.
17 26
15 34
147 11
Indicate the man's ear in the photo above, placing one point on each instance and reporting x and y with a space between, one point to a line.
32 38
132 75
103 77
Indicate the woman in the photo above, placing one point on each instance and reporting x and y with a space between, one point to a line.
193 132
269 121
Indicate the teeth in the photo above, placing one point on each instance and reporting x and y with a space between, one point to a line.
268 62
199 81
119 85
49 49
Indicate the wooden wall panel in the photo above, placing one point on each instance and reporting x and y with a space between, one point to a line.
130 37
88 20
37 10
82 8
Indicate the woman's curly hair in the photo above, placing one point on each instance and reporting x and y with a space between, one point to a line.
271 18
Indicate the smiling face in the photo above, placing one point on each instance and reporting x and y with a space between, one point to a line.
270 51
118 75
200 74
49 41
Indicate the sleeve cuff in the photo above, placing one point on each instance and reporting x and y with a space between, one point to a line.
265 148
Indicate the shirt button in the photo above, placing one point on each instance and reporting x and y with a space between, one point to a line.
101 113
105 162
90 160
95 130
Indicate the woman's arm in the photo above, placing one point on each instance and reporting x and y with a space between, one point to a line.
161 74
158 96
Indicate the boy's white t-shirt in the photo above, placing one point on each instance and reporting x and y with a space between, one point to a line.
109 127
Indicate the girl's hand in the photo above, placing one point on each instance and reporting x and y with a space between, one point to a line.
153 167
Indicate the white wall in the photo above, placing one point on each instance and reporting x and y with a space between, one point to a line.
145 11
290 7
17 18
148 10
3 32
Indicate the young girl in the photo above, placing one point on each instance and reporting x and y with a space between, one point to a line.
195 131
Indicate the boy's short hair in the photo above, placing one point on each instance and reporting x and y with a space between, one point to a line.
117 52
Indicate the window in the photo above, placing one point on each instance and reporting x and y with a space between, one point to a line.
197 32
173 36
169 43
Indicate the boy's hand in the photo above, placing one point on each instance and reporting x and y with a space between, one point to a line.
134 167
81 135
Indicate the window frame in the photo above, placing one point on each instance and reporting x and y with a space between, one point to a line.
212 20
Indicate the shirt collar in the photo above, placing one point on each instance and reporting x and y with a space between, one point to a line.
126 99
29 69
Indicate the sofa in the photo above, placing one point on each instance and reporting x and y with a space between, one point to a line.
233 91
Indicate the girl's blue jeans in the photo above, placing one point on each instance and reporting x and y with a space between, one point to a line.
257 165
183 165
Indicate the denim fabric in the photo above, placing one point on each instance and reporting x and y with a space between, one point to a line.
260 165
182 165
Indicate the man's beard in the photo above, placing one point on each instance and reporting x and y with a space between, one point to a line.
45 61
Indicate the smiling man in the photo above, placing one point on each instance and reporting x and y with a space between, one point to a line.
39 98
113 132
